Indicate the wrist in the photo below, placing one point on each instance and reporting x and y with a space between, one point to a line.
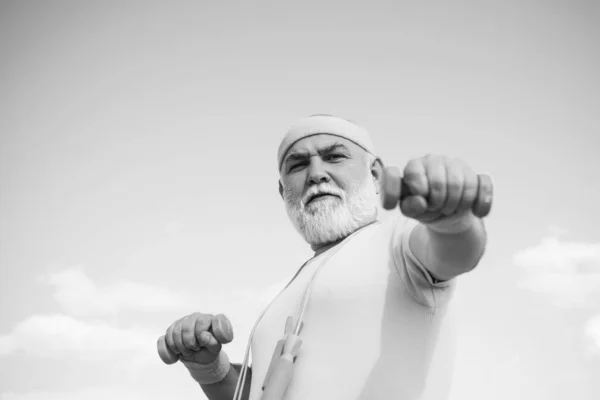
214 372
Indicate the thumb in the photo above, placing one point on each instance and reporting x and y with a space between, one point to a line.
208 341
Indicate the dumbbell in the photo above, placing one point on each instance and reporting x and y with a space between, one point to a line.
220 329
394 190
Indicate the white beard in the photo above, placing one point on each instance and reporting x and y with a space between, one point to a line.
330 219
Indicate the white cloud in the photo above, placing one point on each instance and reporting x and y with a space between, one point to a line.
568 272
87 330
78 295
62 336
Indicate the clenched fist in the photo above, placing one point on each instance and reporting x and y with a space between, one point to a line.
441 188
195 338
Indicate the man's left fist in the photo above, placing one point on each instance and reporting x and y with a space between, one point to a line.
441 189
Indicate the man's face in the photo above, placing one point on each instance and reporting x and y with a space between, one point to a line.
328 188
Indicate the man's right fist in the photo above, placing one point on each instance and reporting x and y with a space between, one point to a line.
196 338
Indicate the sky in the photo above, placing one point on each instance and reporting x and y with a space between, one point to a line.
138 178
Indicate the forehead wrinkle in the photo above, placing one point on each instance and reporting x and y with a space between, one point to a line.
321 149
332 147
300 150
304 154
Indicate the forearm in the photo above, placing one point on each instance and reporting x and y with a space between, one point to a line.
450 248
225 389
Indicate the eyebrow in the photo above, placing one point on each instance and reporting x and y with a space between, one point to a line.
303 155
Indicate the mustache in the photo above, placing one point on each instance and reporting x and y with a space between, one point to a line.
322 189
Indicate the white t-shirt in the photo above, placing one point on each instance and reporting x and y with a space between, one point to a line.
376 326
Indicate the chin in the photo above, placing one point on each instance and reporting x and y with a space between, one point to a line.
329 224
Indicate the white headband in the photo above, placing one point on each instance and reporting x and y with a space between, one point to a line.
324 124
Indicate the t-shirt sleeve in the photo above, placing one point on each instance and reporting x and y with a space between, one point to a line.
414 275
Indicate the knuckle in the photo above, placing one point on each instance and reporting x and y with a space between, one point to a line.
194 316
189 321
454 185
413 166
176 328
205 317
178 323
413 161
436 185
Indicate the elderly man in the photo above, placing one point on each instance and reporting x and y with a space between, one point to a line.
372 307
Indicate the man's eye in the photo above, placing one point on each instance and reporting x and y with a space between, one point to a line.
296 166
334 157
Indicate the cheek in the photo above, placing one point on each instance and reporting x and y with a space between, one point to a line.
352 177
292 187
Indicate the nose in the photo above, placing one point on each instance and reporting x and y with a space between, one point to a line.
317 173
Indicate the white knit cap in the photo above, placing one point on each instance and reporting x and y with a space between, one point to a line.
324 124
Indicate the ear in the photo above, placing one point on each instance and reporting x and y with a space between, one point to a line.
377 173
280 189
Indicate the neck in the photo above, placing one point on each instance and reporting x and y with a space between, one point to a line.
323 247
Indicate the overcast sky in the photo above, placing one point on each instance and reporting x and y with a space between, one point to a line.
138 178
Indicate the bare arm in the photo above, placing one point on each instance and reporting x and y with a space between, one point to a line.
225 389
441 193
450 248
